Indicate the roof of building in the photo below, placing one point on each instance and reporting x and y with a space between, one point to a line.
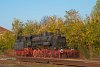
2 30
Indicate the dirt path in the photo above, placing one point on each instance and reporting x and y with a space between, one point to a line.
10 63
6 61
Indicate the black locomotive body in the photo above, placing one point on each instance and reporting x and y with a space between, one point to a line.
45 40
46 45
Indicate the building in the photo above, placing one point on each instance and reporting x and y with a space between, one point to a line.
2 30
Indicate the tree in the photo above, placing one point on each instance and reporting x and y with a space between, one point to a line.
94 24
95 14
75 32
72 16
17 27
31 28
49 24
6 41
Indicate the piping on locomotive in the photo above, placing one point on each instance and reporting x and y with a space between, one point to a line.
46 45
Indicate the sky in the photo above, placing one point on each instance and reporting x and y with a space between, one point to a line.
36 9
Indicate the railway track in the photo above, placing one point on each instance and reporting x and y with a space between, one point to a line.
58 61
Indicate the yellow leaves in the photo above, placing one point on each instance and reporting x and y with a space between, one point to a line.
88 32
6 41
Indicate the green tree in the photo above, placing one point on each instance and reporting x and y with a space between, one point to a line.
6 41
94 24
17 27
95 14
50 24
75 32
72 16
31 27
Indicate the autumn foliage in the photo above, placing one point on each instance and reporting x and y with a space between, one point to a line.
81 33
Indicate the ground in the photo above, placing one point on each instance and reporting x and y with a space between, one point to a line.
6 61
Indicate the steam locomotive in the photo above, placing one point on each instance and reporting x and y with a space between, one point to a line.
46 45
